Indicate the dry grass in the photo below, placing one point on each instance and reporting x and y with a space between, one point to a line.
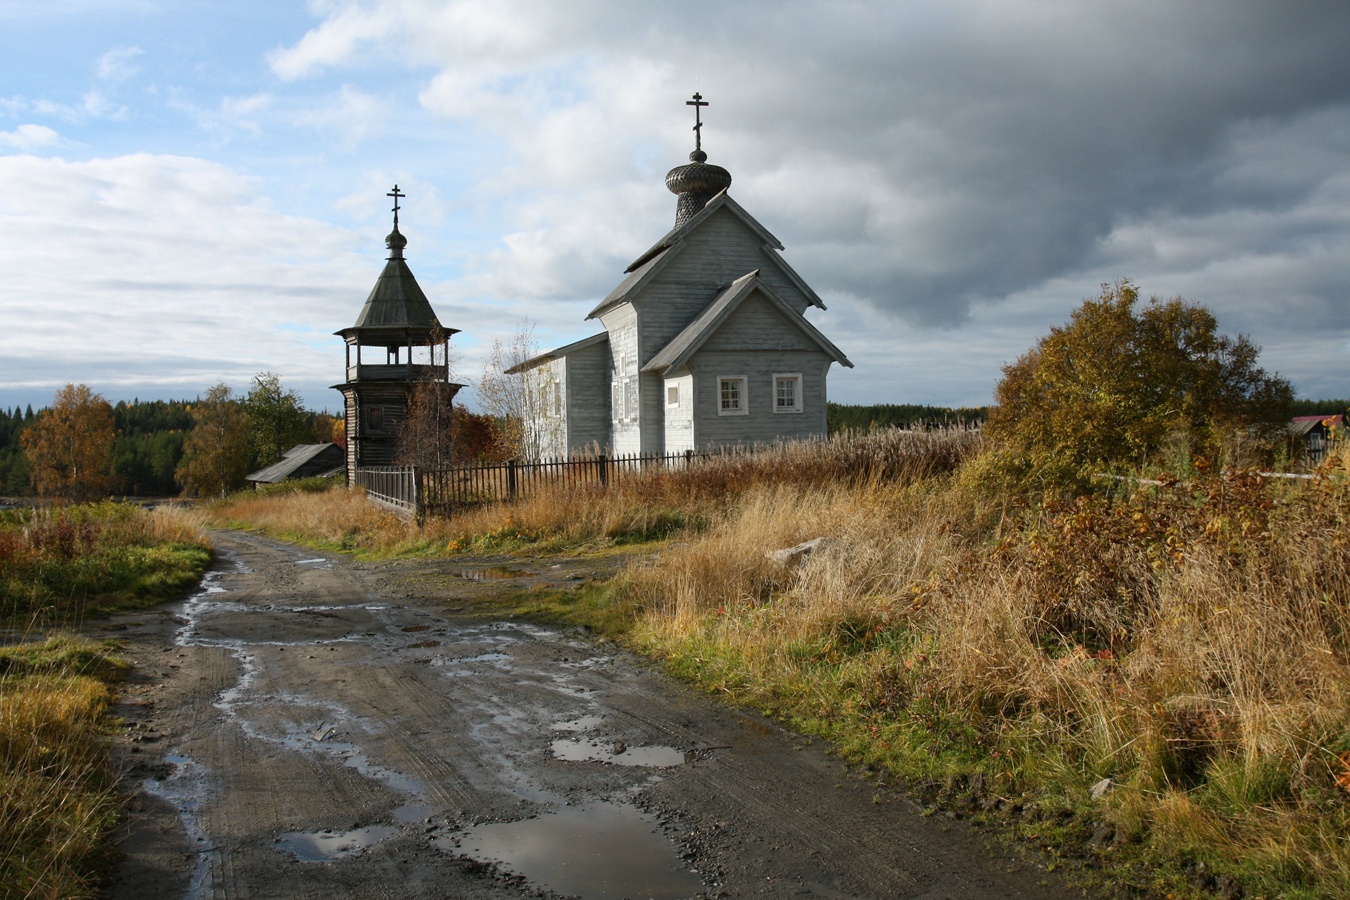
59 564
1192 644
57 796
661 503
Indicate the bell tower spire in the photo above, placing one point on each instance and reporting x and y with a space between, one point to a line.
397 346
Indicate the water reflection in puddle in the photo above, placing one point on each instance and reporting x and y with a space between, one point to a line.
608 851
321 846
618 753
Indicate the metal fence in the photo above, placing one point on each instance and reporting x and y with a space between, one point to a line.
410 490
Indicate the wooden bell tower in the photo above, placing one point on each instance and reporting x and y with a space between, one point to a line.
396 347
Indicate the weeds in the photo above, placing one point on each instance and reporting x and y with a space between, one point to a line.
58 798
62 563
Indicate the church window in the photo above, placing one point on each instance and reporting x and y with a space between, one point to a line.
732 396
630 398
673 396
787 393
374 418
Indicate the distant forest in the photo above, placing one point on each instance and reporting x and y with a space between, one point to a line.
149 446
841 417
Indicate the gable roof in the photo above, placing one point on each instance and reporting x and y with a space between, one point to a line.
532 362
705 324
659 255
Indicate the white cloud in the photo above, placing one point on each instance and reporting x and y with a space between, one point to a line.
231 115
172 270
27 138
119 64
351 113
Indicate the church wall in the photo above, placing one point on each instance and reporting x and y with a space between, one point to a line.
546 425
679 417
716 253
757 324
624 384
761 424
587 391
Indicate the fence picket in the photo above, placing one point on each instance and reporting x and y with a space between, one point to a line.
415 491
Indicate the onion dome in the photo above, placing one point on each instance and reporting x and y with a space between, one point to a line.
698 182
396 242
695 184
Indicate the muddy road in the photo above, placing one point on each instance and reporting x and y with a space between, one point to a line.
317 727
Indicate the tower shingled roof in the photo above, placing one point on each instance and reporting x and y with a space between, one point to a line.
397 300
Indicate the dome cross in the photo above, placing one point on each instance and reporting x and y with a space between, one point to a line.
697 103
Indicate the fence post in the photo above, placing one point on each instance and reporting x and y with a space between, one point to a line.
603 465
689 458
511 478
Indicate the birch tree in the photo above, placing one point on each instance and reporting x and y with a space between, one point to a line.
69 448
216 454
519 400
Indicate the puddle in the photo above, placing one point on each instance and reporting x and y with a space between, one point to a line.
618 753
608 851
423 645
410 629
326 845
317 563
495 573
185 790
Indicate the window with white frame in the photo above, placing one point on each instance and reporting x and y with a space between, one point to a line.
673 396
630 398
733 396
557 399
787 393
615 402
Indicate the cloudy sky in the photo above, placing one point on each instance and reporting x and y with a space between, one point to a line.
194 191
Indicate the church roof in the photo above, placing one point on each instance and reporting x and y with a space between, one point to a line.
696 333
646 266
532 362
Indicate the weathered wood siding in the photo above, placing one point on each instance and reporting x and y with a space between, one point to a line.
587 398
718 252
680 434
622 325
546 429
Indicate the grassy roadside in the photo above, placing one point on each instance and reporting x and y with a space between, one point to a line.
58 795
1154 684
58 567
61 564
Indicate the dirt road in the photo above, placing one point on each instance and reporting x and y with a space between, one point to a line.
314 727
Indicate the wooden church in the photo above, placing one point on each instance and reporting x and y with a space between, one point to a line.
705 341
397 350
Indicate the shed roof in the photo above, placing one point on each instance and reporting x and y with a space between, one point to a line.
705 324
301 460
602 337
1302 425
